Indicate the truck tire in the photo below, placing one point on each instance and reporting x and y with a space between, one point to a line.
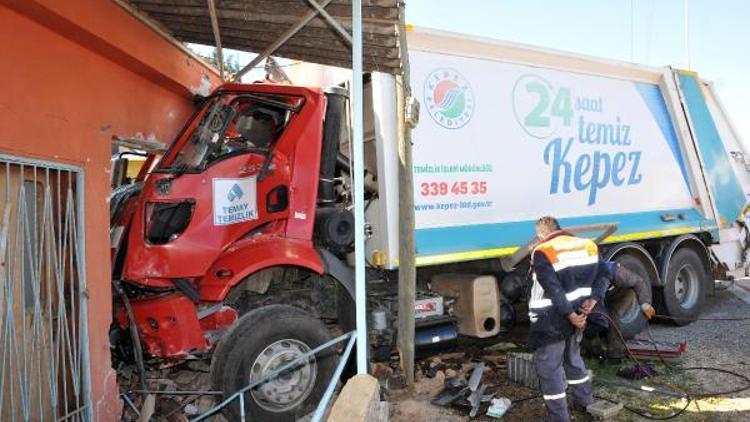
684 289
624 305
262 340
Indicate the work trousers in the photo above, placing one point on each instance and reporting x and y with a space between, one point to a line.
559 365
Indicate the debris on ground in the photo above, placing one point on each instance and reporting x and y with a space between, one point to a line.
637 372
498 407
482 366
662 350
175 392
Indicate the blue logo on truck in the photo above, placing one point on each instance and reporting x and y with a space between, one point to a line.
235 193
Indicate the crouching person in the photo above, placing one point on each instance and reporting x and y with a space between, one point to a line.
602 337
565 273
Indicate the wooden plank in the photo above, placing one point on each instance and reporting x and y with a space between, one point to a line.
376 25
407 272
269 32
332 44
217 37
366 4
341 59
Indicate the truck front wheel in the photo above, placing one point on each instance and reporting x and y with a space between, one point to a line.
266 339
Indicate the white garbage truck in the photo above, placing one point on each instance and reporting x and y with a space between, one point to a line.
508 133
236 241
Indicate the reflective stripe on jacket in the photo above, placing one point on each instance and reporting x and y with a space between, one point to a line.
565 273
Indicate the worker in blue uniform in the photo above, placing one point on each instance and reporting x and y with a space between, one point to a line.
566 273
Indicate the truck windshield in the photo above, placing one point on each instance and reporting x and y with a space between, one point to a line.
231 125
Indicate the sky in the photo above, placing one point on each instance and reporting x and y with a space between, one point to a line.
650 32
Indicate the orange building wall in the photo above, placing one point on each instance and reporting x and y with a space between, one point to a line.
75 73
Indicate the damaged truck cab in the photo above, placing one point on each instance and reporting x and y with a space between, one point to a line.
224 227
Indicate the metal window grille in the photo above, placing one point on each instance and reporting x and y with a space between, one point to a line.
44 370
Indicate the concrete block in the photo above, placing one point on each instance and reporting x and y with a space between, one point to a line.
603 409
359 401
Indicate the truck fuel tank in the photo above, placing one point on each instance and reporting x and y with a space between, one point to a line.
477 302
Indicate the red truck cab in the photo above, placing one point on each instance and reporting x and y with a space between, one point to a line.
224 225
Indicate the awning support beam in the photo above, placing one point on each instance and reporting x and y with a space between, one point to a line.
217 37
280 41
334 23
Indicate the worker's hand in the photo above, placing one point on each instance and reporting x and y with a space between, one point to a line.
578 320
588 306
648 310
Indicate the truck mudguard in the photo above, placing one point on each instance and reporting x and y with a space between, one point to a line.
338 270
251 255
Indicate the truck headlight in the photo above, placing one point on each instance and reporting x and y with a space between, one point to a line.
165 221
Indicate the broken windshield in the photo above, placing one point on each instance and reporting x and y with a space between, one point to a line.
230 126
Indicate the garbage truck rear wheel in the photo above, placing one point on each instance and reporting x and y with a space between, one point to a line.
685 286
624 304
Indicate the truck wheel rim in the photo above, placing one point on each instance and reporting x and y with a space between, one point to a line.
686 287
289 389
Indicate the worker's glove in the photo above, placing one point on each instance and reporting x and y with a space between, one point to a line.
648 310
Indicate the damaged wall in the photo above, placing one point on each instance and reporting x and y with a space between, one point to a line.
74 74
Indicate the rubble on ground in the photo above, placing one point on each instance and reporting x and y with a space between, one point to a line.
167 399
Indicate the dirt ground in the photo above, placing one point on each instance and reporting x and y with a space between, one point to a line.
719 344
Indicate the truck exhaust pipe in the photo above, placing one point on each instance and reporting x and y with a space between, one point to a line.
334 129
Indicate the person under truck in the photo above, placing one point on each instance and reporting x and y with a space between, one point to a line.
566 273
621 279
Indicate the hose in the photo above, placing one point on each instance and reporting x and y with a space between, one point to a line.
688 396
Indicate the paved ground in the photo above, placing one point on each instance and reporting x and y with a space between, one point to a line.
720 344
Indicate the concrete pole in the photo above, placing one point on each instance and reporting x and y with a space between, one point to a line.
358 166
407 274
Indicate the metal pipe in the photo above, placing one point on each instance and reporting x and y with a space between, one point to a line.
133 328
83 295
320 410
279 42
333 22
273 374
358 166
181 392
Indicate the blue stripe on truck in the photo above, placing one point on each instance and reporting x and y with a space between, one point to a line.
725 188
446 240
655 101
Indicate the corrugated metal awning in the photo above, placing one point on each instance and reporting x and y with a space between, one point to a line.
254 25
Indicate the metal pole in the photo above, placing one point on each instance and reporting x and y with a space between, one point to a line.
407 271
687 32
360 298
